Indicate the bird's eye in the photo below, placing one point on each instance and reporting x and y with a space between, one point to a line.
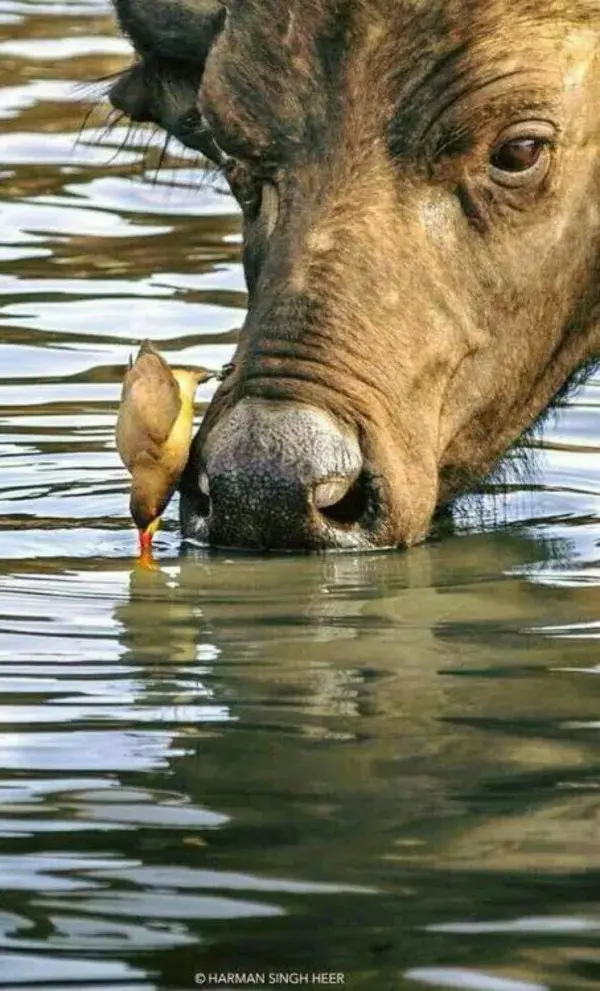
519 155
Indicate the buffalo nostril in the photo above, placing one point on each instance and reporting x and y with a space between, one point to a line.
331 491
352 504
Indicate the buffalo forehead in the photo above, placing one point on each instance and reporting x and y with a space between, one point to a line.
283 76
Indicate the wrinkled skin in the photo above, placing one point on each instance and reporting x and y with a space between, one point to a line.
420 185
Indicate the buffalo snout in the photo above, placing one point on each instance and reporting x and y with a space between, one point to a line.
283 475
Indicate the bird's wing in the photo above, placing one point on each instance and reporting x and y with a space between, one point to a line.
150 405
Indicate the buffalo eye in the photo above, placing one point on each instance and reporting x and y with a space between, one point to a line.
521 156
245 188
517 156
258 197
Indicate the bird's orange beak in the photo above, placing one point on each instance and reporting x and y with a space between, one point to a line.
145 541
146 536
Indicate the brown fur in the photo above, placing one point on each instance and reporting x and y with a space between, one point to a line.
394 283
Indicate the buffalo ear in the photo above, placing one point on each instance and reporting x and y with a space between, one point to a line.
173 39
183 30
130 95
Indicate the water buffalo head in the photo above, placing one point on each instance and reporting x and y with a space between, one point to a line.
420 188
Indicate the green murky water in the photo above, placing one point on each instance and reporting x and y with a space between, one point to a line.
245 770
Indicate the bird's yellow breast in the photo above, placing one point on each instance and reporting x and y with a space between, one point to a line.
177 444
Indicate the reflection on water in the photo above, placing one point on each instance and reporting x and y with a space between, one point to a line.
385 766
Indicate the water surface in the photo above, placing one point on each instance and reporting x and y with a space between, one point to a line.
384 767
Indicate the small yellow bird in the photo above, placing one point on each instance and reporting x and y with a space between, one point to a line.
154 433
